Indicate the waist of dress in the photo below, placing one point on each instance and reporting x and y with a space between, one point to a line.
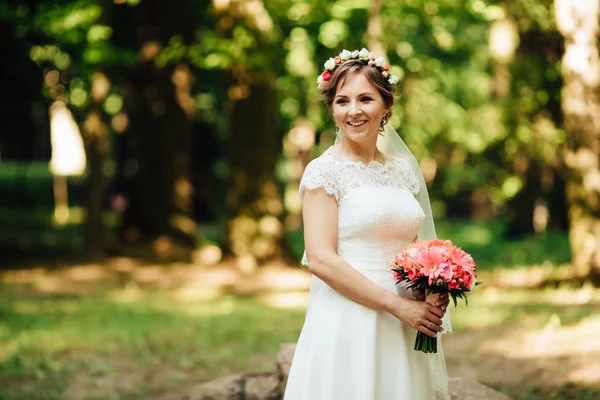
370 264
376 269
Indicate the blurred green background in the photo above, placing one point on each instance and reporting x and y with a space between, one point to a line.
150 156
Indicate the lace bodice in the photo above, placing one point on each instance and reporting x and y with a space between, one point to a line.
377 210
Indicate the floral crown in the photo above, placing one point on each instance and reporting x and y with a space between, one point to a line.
364 55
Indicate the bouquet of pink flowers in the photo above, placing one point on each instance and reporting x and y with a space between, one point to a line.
435 266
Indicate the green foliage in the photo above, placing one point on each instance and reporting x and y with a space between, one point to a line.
449 111
490 249
74 39
71 23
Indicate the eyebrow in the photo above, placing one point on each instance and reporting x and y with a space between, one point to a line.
362 94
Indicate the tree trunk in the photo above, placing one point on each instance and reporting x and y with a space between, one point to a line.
578 22
97 148
557 204
160 204
254 210
254 207
520 220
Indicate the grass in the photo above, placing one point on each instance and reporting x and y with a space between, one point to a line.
567 392
151 341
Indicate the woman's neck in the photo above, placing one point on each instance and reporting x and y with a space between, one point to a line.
364 153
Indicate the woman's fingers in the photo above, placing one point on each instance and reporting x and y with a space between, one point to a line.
436 311
444 305
422 316
430 328
431 324
427 331
443 299
418 294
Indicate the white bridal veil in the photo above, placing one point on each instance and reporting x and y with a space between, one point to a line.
391 144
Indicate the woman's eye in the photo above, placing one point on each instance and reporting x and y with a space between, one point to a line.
366 99
341 101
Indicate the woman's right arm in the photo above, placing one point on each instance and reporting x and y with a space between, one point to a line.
320 216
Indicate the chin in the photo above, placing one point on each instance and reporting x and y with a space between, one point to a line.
359 135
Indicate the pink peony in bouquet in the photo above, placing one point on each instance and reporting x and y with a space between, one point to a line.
435 266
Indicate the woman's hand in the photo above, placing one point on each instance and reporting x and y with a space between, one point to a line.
419 315
439 300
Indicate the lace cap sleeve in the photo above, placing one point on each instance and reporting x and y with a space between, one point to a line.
320 173
409 177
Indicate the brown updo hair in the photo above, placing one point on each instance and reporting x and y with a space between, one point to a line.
350 68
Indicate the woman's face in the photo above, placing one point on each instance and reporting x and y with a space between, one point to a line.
358 108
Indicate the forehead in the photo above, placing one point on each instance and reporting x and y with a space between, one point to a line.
355 84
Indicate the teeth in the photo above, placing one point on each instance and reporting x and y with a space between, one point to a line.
357 123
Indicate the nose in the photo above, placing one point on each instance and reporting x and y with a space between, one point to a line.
354 109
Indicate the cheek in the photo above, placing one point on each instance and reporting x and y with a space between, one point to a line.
338 114
375 112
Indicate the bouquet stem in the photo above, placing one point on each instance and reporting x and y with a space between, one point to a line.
426 344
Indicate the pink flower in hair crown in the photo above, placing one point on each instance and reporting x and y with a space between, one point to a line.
368 57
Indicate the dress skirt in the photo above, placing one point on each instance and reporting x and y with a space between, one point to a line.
347 351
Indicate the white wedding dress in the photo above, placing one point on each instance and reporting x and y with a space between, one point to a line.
347 351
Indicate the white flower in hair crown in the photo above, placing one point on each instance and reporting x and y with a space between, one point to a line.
364 55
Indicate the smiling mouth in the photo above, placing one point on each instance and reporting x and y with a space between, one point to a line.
357 123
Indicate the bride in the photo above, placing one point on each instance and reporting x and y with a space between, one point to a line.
363 200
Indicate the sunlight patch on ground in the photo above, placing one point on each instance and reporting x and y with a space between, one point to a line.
284 300
195 291
131 293
21 276
47 284
298 279
150 275
524 338
528 276
224 307
188 282
589 372
576 348
491 306
477 316
87 272
44 306
209 254
122 264
562 296
551 340
217 277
